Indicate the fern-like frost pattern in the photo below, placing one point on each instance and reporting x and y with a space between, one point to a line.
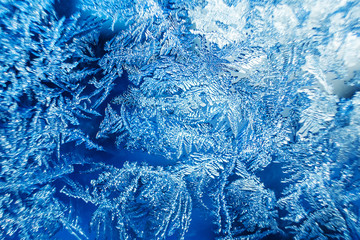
157 119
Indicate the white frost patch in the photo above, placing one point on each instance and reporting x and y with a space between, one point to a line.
319 10
220 23
350 53
284 19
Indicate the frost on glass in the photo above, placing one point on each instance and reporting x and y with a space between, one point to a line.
136 202
45 91
251 209
148 113
321 199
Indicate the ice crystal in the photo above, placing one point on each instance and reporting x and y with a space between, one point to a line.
137 202
127 119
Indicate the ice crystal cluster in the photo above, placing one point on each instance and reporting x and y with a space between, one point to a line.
179 119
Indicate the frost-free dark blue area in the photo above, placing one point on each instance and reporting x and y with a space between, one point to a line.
155 119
